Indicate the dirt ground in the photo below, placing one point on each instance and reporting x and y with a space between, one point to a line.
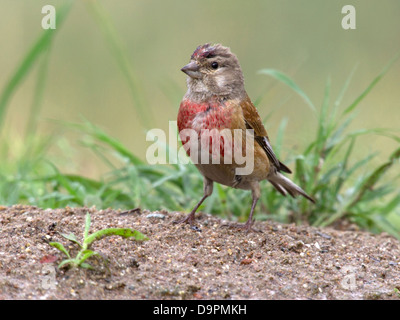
177 262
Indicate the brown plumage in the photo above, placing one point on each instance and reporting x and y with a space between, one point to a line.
217 100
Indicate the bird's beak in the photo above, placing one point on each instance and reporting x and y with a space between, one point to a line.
192 70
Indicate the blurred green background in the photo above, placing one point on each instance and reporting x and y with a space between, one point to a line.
76 103
302 38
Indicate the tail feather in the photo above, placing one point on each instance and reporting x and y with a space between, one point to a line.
285 185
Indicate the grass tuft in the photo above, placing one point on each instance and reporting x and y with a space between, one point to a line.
85 252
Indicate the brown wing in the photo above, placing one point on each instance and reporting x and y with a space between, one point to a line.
253 121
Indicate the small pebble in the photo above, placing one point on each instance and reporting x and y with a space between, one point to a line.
155 215
324 235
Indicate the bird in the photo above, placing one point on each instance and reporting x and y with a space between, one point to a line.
216 101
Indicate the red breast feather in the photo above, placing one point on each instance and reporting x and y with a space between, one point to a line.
204 116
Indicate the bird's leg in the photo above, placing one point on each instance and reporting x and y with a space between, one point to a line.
190 217
255 191
248 225
208 189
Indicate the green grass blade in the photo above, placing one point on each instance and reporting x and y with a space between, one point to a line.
71 237
60 247
38 95
116 145
66 261
87 225
120 54
370 86
344 88
69 186
322 132
392 205
395 156
369 183
289 82
385 225
86 265
123 232
41 44
359 164
86 254
343 174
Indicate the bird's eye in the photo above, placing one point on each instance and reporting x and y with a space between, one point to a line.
214 65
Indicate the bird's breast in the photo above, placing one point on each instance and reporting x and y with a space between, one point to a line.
199 116
201 124
214 136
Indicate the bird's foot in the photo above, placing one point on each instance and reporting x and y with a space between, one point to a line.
189 219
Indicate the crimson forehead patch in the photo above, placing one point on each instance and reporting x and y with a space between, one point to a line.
203 51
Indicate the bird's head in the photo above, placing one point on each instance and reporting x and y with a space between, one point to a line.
215 71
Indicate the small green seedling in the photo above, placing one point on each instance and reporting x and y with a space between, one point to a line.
85 252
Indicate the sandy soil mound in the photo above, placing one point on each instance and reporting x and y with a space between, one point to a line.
218 262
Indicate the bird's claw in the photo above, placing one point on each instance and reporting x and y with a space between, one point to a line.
189 220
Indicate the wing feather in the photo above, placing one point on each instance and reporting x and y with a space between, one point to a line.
253 121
